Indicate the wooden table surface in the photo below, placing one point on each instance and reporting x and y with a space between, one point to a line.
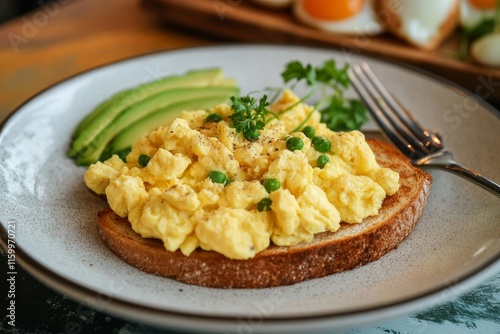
68 37
65 38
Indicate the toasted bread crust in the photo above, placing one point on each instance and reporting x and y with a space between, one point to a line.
328 253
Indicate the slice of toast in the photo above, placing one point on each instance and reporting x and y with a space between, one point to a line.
351 246
389 15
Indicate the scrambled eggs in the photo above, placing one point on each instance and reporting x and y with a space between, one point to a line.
173 199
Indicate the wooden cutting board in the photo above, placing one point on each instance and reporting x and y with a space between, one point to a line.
240 20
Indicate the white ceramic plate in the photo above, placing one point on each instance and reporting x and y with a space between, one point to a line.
455 246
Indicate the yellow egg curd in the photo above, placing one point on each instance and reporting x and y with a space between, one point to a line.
173 198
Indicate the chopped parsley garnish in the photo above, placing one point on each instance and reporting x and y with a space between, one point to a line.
337 112
213 118
249 115
264 204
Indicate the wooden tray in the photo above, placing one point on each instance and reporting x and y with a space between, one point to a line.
243 21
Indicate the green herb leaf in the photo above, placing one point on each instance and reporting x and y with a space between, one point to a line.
296 71
213 118
329 74
484 27
249 116
338 113
264 204
344 115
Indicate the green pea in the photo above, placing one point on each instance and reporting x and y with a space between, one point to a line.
321 144
309 131
294 143
264 204
322 161
143 160
271 185
213 118
218 177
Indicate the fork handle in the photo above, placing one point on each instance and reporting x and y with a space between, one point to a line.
444 159
473 176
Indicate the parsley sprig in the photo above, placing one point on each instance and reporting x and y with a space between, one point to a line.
339 113
249 115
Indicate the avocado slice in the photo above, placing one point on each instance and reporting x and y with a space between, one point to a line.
149 105
108 113
104 105
145 125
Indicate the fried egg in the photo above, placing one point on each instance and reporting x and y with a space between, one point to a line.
472 12
341 16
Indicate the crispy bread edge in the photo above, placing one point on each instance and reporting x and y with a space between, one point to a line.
329 253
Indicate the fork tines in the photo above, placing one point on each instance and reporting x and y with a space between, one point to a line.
396 122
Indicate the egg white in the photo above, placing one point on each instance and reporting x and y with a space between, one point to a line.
363 23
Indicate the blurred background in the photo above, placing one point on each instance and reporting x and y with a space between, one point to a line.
12 8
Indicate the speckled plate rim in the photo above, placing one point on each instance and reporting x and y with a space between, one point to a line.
204 323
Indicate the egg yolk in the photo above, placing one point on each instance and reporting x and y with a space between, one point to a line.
483 4
332 10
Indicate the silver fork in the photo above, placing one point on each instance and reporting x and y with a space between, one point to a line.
423 147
